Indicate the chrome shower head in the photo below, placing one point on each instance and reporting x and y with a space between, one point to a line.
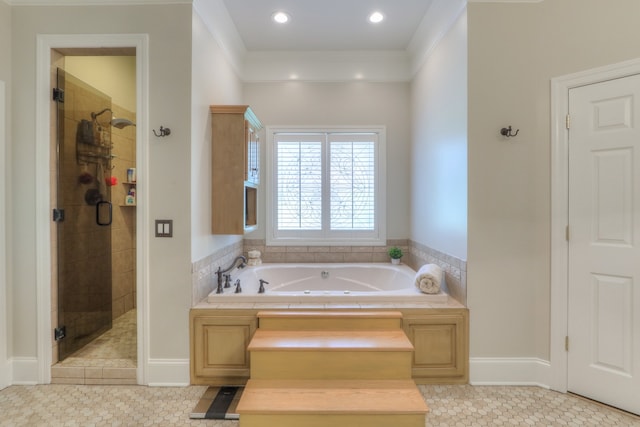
121 123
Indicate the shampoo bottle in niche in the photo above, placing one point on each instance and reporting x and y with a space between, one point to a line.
130 199
131 175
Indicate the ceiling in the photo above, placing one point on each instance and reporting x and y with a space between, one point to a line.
329 40
327 25
325 40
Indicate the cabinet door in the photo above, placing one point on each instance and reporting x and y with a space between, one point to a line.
252 173
220 349
440 347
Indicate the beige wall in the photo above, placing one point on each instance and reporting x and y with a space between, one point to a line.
439 146
214 82
359 103
168 186
115 75
5 78
5 41
514 51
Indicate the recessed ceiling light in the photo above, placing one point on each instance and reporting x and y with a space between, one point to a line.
281 17
376 17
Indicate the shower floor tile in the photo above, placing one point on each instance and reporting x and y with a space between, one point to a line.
116 348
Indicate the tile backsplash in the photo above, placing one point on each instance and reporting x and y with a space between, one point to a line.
455 269
203 272
324 254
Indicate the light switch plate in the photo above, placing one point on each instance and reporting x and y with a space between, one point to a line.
164 228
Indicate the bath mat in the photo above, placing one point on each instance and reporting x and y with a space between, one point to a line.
218 403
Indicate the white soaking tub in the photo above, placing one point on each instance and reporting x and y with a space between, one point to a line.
326 283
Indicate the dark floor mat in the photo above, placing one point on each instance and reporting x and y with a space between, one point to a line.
218 403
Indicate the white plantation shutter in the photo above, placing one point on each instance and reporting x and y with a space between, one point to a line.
326 188
352 182
299 183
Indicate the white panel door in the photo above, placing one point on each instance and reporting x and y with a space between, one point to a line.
604 242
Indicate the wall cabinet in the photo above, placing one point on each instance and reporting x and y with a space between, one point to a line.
235 168
219 340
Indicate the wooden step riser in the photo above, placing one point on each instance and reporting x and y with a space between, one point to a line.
325 420
328 324
316 365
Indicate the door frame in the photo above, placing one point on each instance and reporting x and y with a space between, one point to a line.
5 379
45 43
560 87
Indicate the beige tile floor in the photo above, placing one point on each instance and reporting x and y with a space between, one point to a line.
77 405
451 406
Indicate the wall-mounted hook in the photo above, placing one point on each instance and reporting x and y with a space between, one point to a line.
507 132
163 132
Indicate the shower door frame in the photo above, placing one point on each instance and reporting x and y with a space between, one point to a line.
45 44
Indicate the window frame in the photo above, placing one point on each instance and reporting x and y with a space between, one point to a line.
326 237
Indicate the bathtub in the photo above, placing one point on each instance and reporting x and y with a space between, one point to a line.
326 283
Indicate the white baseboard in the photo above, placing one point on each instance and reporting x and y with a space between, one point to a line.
24 370
5 374
168 372
509 371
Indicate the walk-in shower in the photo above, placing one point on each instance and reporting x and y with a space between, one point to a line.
95 227
83 214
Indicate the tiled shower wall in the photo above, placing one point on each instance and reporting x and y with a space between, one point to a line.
123 229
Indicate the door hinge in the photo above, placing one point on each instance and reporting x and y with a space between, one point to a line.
566 233
59 333
58 215
58 95
566 343
568 121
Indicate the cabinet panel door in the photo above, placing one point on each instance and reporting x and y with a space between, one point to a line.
252 172
440 346
220 346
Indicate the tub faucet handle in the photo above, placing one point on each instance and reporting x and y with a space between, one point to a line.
262 283
219 288
227 279
238 288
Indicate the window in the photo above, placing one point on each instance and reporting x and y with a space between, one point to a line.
327 186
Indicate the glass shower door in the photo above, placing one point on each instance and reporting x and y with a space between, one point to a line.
83 214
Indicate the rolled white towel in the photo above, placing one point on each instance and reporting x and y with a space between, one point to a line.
428 278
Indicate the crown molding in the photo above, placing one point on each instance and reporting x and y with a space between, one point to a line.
216 18
437 22
327 66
